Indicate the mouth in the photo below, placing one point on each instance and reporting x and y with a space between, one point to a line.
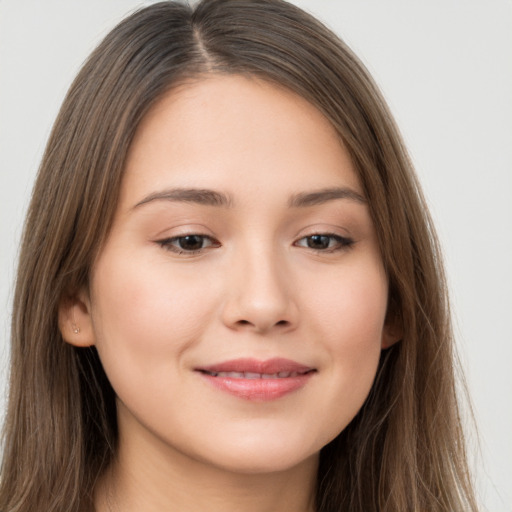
255 380
253 375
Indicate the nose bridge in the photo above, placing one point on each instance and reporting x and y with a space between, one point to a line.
259 295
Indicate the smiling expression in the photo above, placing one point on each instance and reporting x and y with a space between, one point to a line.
238 305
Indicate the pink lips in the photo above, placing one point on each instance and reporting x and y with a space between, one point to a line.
257 380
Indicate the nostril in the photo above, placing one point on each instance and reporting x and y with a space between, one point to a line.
281 323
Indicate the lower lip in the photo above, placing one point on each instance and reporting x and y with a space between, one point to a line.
259 390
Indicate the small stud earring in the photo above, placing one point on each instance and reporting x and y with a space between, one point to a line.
76 329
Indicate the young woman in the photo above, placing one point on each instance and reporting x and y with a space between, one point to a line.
229 295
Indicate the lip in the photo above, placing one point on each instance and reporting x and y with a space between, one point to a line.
256 380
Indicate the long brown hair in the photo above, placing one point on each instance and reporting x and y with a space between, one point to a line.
404 450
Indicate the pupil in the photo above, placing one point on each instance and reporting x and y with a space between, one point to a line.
191 242
318 242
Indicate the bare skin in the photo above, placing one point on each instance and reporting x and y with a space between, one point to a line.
241 234
155 488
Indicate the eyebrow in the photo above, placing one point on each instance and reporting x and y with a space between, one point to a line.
208 197
189 195
305 199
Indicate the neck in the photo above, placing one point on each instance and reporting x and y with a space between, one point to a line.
146 477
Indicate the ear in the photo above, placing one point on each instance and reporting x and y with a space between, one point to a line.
75 321
392 332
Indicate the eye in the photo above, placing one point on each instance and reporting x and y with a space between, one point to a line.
325 242
188 244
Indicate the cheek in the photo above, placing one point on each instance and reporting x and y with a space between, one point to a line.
144 318
350 307
361 313
350 321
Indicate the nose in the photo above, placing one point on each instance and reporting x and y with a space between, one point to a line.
260 295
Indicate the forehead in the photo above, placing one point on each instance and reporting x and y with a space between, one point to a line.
228 131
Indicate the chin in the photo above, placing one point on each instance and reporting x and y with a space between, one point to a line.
266 463
254 453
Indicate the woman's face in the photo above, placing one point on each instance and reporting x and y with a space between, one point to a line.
238 306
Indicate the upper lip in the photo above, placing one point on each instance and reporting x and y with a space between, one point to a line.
269 366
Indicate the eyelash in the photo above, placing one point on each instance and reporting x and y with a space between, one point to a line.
341 243
167 243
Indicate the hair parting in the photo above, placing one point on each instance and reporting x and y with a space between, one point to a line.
405 448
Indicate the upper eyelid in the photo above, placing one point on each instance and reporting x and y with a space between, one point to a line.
347 240
212 237
344 241
167 244
183 229
331 231
176 237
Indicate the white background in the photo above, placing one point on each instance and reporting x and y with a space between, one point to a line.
445 67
